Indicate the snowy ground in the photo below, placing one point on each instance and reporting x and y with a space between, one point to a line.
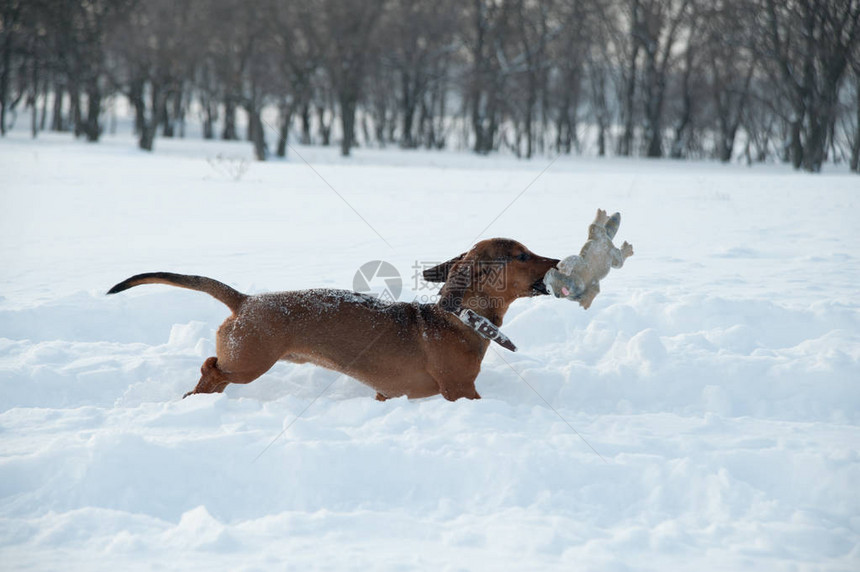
717 374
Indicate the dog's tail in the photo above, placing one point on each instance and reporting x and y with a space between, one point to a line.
218 290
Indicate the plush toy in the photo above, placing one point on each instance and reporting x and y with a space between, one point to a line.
578 277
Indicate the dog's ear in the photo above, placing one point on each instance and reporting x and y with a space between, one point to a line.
439 273
461 275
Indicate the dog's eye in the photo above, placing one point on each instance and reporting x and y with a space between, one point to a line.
523 256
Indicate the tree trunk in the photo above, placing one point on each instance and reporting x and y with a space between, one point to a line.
347 117
112 114
625 143
816 143
229 132
43 115
601 139
428 123
531 100
178 114
680 141
208 120
284 132
379 120
324 128
255 126
135 96
407 141
796 145
167 129
94 101
34 118
306 124
562 127
727 141
365 129
439 133
33 98
478 124
57 123
821 117
653 106
77 122
425 123
598 104
478 77
147 133
4 76
678 145
855 147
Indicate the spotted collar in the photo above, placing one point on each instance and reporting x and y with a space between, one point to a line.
485 328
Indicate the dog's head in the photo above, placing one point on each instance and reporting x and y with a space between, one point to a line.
491 275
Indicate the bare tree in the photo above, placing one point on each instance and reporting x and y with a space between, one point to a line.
10 13
575 55
529 69
730 63
514 74
344 35
621 21
657 32
854 161
809 43
421 33
151 43
485 87
296 62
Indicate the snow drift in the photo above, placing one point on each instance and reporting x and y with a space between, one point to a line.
715 378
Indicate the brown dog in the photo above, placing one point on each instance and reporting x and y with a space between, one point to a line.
416 350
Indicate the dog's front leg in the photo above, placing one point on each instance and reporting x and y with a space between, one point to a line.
454 386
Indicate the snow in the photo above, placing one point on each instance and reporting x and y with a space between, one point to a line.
716 374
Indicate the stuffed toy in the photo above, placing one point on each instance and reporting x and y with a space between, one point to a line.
578 278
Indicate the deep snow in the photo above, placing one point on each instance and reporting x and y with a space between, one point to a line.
716 373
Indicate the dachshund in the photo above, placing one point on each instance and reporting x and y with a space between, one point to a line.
411 349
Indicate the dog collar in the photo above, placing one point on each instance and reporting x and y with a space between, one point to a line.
486 328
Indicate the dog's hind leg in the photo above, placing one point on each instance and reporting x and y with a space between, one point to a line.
214 380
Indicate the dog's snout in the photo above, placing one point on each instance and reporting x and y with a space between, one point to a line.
548 262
